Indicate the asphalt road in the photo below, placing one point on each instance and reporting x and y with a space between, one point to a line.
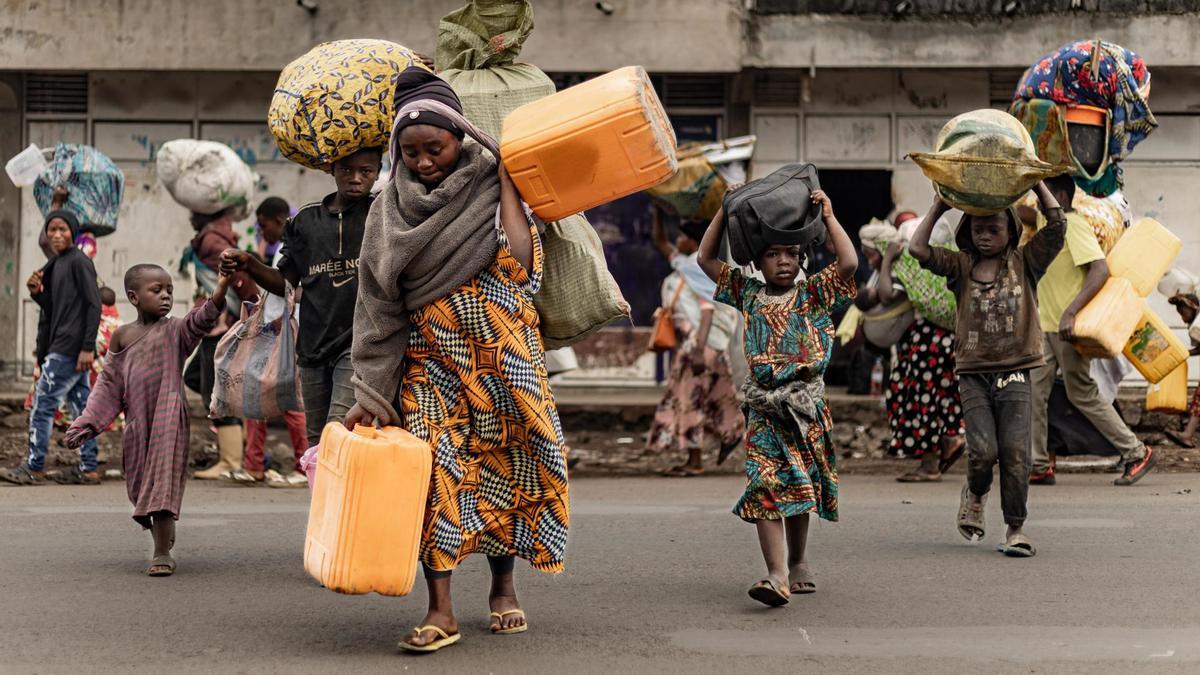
656 582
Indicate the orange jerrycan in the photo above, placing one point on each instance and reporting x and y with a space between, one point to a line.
367 510
589 144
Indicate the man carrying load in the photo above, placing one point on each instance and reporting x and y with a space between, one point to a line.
1070 283
320 251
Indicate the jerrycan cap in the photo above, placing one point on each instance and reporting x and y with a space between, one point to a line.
365 431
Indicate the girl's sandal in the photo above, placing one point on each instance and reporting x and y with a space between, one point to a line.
161 566
498 617
802 580
770 593
444 640
1180 440
970 519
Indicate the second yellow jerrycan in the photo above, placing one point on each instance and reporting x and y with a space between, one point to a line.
1170 395
367 510
1154 349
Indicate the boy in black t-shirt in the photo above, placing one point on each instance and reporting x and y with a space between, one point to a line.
320 255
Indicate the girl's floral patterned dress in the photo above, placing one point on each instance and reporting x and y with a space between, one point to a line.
788 338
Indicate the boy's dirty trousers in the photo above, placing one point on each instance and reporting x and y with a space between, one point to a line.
59 381
328 393
1083 394
996 408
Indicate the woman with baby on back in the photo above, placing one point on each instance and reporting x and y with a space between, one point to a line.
790 460
446 345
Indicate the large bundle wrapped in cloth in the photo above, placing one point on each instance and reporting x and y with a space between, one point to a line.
476 48
337 99
94 186
696 189
1087 103
205 176
984 161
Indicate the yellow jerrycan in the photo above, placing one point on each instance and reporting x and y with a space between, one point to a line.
1170 395
1154 349
589 144
1144 254
1103 327
367 510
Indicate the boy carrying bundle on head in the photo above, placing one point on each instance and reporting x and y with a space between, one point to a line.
143 378
998 340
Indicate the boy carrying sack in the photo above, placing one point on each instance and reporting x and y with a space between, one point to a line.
997 342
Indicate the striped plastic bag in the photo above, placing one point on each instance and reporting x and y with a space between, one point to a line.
256 373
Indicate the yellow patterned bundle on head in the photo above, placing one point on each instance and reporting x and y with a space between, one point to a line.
337 99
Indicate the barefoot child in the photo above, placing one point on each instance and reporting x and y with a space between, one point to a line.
790 460
997 342
144 379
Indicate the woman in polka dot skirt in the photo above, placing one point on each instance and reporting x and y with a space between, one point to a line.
923 407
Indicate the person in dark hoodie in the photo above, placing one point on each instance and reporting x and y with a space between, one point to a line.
69 298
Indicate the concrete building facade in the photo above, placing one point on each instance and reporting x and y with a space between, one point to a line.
852 87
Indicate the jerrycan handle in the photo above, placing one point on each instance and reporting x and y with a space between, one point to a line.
365 431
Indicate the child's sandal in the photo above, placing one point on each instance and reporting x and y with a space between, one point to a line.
802 580
161 566
770 593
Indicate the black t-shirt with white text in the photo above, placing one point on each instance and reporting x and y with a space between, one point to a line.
321 248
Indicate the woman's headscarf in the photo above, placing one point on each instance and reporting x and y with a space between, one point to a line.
418 84
878 235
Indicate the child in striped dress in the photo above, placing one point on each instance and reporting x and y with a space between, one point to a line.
143 377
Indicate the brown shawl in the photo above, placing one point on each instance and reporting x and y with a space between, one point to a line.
418 247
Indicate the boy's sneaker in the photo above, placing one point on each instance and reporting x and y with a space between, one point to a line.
1136 470
77 476
23 475
1043 478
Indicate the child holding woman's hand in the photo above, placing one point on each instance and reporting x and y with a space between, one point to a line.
143 378
790 460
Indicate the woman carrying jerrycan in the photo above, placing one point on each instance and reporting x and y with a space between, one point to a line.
445 326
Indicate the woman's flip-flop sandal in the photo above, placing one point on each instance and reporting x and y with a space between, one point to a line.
949 460
444 640
802 580
499 618
970 520
161 566
769 593
915 476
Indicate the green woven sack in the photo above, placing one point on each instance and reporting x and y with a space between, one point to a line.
484 34
488 95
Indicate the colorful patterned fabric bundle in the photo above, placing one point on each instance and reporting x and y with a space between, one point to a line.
336 100
94 185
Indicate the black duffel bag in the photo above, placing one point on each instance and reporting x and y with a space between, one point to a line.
777 209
